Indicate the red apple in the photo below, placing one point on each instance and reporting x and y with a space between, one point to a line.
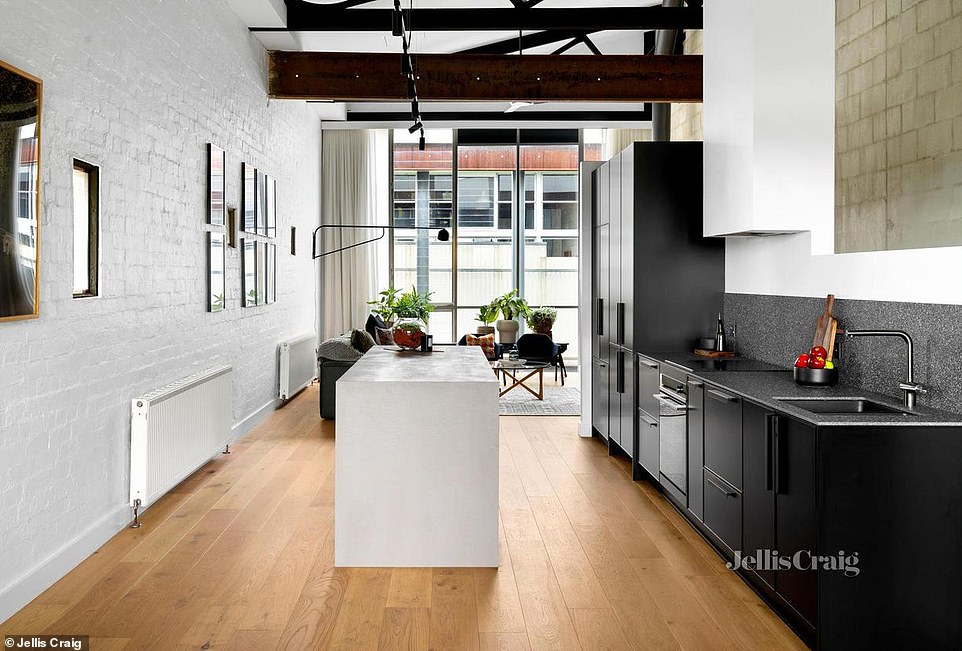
818 351
802 361
816 362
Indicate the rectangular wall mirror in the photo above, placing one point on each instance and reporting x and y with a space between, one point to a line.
249 272
216 285
216 185
20 102
261 203
271 206
270 278
249 199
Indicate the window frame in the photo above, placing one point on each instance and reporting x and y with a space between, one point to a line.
92 173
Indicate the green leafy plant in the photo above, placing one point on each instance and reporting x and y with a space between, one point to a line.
541 319
511 305
413 305
217 303
487 315
386 305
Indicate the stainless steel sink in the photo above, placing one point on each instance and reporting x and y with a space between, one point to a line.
843 406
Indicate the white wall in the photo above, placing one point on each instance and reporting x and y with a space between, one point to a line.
800 264
139 89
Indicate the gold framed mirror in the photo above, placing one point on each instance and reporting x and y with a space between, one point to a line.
20 105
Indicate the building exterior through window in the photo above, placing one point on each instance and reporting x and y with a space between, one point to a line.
513 217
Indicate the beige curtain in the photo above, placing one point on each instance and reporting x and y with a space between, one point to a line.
617 139
349 186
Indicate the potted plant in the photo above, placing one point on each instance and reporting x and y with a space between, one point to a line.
541 319
386 305
511 306
412 310
487 315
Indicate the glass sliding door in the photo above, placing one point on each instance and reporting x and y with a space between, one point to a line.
422 196
510 200
550 257
485 237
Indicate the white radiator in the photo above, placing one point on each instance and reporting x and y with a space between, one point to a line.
298 364
176 429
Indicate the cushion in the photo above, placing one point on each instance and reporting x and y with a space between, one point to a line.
384 337
373 323
339 348
485 341
361 340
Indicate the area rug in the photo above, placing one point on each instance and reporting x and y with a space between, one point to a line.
558 401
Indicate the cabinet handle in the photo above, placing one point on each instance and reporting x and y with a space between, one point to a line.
652 422
777 457
620 373
724 489
722 396
769 461
601 316
620 325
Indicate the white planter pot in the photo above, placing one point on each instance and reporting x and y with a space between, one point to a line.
485 330
508 331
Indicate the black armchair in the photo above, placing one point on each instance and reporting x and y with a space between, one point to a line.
539 348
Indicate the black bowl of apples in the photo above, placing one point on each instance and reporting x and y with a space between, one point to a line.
814 369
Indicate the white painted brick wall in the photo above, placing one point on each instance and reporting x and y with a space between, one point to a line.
138 88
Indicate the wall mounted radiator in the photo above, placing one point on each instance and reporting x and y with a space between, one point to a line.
175 430
298 364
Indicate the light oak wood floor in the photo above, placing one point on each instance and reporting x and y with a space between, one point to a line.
240 556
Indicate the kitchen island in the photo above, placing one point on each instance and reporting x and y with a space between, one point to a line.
416 460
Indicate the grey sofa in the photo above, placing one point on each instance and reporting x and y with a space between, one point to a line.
329 370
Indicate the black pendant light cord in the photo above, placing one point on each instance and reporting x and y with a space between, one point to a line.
401 26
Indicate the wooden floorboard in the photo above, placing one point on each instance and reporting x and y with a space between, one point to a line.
241 556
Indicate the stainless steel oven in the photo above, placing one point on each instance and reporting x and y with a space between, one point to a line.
672 397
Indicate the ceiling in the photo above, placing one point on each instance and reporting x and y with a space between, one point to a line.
268 20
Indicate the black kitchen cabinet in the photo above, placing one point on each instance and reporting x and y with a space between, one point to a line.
779 502
600 396
758 487
794 457
723 434
696 448
658 281
649 442
723 512
648 384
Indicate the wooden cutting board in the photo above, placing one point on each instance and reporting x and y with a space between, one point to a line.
714 354
825 327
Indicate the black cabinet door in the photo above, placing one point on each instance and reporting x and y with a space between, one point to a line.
723 512
628 404
602 306
627 241
616 251
758 489
649 443
648 382
723 434
599 398
696 448
794 451
615 381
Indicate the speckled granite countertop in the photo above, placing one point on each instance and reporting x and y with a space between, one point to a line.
764 383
